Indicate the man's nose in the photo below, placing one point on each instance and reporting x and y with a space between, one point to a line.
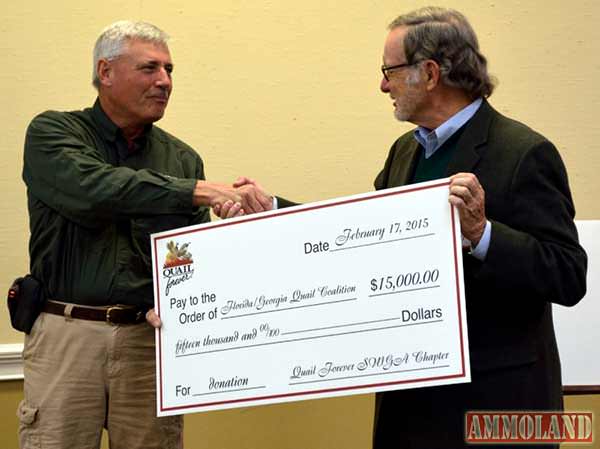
163 78
384 86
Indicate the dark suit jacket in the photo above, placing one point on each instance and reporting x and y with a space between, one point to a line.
534 259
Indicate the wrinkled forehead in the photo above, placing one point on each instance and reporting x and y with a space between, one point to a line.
393 50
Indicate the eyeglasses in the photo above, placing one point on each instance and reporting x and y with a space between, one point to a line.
386 69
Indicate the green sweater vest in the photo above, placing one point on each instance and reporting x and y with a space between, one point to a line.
435 167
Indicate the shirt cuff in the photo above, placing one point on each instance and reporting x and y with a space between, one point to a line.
275 205
481 250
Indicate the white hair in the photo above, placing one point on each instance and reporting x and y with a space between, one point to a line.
113 38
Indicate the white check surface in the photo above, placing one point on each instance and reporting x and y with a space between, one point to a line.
346 296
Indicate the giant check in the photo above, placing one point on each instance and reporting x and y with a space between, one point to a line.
352 295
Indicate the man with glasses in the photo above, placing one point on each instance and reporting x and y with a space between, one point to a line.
521 251
99 182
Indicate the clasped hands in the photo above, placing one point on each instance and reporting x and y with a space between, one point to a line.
244 196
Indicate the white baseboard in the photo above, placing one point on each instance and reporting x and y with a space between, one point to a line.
11 362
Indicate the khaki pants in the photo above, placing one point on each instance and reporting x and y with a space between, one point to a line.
81 376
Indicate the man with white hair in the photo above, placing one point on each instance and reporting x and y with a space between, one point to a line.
99 182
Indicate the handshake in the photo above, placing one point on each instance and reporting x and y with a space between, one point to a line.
244 196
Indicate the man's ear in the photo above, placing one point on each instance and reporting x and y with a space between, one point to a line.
431 71
104 70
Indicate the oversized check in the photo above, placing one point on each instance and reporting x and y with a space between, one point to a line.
346 296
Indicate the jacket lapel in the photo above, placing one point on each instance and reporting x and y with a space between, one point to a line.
404 162
469 144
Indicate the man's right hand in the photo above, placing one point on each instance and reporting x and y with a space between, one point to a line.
250 198
153 319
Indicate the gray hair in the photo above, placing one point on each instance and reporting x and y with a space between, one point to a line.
445 36
113 38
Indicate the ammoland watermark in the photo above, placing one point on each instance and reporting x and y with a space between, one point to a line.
528 427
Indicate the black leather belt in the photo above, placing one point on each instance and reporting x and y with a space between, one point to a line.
117 314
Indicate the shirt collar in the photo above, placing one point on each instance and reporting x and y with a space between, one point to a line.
108 129
432 140
111 132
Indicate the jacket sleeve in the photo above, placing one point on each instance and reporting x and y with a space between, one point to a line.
200 214
382 179
535 251
282 203
64 171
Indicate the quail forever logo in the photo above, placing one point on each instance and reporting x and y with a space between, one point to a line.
178 266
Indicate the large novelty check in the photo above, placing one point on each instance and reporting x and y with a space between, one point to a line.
346 296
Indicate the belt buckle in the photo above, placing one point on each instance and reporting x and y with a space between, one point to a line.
109 310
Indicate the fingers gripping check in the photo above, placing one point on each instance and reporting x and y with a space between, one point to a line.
468 196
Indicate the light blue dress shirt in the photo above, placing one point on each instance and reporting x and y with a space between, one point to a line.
432 140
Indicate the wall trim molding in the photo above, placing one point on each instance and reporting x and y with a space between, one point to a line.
11 361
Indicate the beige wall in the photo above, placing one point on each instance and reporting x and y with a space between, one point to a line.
287 92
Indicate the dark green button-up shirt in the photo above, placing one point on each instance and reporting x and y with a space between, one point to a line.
93 203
